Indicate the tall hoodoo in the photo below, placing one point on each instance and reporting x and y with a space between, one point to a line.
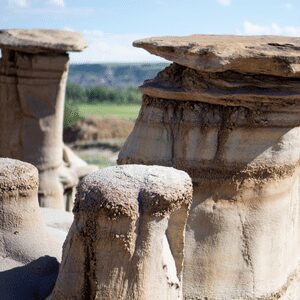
127 238
227 111
33 73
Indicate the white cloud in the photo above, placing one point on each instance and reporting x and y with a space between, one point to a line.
273 29
225 2
60 3
18 3
106 47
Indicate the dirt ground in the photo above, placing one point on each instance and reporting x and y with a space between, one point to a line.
96 128
98 140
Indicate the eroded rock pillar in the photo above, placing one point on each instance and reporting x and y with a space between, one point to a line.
33 73
127 238
227 112
23 234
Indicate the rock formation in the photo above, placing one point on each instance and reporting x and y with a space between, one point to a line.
228 112
127 238
29 255
58 222
33 73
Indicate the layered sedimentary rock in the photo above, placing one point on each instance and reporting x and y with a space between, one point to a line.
29 255
227 112
127 238
33 73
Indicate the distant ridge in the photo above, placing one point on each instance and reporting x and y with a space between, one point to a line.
120 75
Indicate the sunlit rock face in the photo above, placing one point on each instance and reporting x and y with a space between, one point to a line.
33 73
227 112
127 237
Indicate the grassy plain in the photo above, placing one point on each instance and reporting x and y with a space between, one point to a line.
105 154
125 111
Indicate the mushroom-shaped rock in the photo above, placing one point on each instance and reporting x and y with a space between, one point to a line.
33 73
227 112
127 238
29 255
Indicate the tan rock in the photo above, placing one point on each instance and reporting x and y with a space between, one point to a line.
23 233
29 255
226 88
270 55
41 40
33 74
127 238
243 230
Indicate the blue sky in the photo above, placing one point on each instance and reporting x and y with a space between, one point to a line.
110 26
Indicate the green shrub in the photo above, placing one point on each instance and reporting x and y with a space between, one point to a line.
71 115
98 94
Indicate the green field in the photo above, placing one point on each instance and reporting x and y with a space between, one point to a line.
126 111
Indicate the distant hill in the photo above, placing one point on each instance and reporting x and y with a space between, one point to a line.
113 75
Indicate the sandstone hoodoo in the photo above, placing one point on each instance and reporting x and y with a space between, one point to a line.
127 238
227 111
33 73
29 255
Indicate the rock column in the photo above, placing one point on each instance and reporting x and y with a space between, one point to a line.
127 238
33 73
23 234
227 111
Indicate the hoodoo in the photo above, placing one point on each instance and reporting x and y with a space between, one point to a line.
29 255
33 73
127 238
227 111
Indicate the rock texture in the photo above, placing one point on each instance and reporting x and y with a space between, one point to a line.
269 55
33 73
41 40
236 132
228 88
127 238
29 255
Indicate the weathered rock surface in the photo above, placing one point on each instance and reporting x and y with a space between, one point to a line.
238 139
269 55
228 88
29 255
41 40
23 233
127 238
33 74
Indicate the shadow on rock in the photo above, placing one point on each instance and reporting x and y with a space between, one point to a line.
32 281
